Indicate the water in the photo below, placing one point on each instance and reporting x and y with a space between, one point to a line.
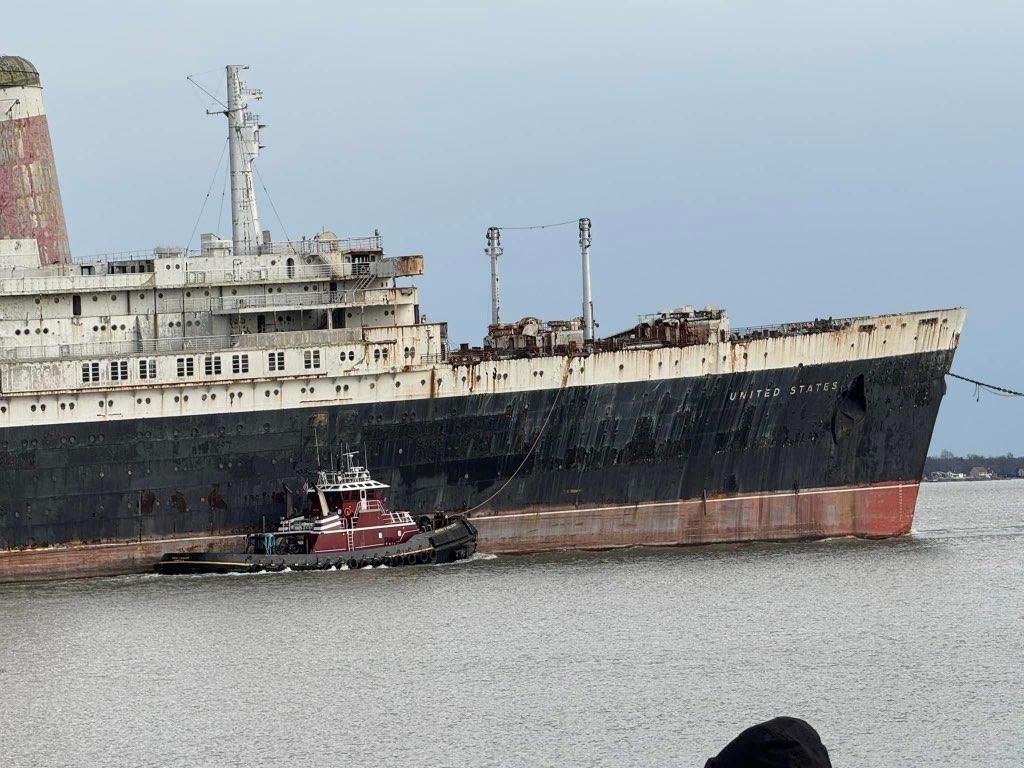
905 652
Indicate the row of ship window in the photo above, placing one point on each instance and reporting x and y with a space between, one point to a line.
186 366
213 366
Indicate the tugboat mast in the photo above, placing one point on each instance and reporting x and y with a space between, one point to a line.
243 147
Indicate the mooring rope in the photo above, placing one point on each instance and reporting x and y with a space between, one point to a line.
536 440
981 385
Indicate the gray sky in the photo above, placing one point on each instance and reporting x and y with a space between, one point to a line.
785 160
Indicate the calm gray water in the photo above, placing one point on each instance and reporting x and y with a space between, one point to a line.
905 652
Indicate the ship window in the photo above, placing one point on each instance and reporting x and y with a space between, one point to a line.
119 370
186 366
376 354
275 361
76 305
311 358
239 363
384 353
90 372
211 366
147 368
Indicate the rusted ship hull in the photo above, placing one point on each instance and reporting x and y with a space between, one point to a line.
803 452
877 511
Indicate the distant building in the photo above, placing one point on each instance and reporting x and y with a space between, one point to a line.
980 473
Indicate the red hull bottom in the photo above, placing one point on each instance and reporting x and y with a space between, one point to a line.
875 511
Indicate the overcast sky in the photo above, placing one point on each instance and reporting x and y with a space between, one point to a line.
785 160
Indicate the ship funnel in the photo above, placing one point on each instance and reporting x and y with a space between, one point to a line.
30 205
588 299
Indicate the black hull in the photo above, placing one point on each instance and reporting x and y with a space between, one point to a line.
837 425
456 541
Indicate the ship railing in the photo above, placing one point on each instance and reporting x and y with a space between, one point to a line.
115 348
310 246
434 358
790 329
305 299
370 505
392 266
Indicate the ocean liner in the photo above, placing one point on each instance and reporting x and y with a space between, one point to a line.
175 400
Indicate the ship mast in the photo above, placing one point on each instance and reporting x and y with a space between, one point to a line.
494 251
588 299
244 146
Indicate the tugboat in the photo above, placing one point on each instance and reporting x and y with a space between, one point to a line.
348 525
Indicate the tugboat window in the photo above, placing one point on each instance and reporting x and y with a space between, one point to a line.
239 363
186 366
76 305
211 366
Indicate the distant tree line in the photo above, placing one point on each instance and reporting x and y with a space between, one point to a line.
1006 465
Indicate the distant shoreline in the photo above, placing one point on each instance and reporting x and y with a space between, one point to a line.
946 467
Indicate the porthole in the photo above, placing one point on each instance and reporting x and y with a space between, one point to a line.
63 406
101 403
177 399
267 393
147 402
185 398
345 388
204 398
33 409
277 391
159 295
338 388
303 390
398 384
188 294
71 407
423 382
621 366
239 394
37 301
110 403
372 385
17 331
138 401
95 298
213 396
113 297
46 330
312 390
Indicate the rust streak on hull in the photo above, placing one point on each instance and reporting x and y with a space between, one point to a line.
874 511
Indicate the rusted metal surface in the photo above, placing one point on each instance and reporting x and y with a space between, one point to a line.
30 204
882 510
111 559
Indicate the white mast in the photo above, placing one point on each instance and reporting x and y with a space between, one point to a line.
588 300
494 251
244 146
